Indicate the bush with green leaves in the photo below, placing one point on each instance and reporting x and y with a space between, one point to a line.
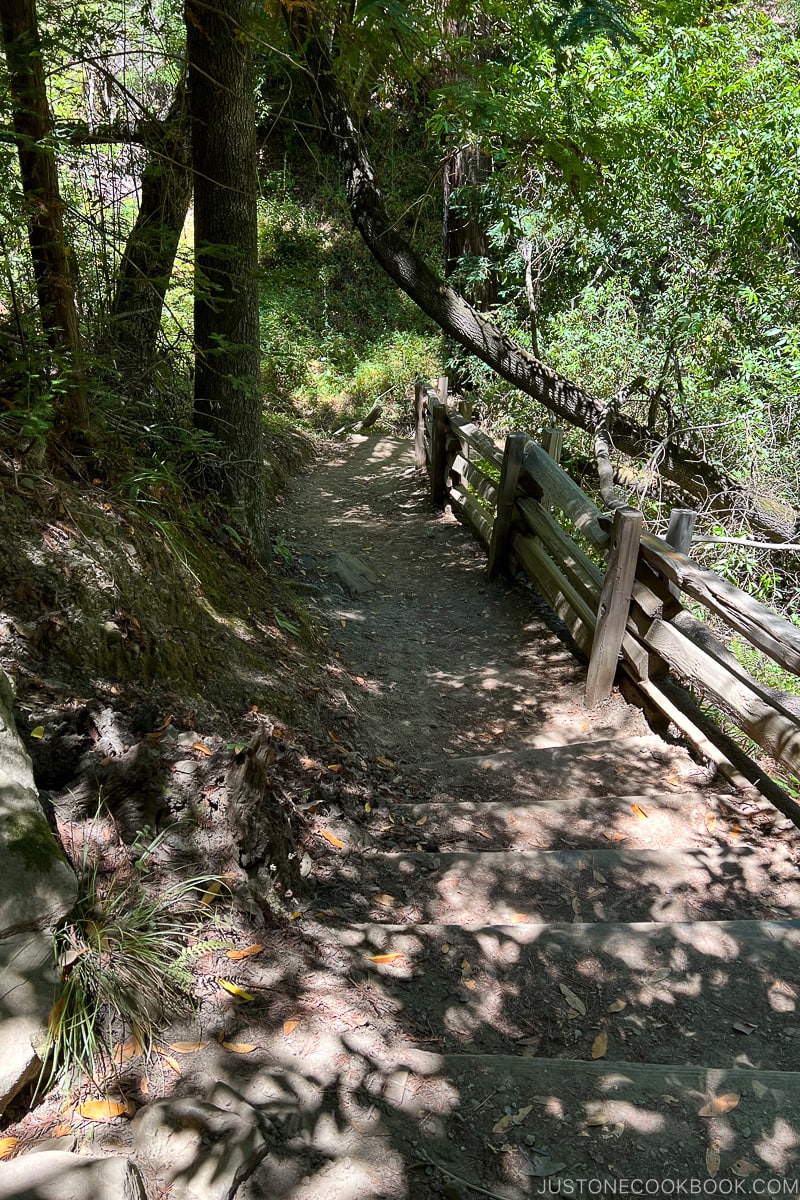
124 963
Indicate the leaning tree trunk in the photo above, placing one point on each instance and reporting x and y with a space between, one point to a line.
33 127
678 456
149 256
227 402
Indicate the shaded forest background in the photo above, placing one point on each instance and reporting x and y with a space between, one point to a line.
612 187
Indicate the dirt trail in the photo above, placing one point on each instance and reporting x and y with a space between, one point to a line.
448 664
533 942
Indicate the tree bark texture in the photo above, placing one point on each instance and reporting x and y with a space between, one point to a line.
149 256
227 402
33 129
678 457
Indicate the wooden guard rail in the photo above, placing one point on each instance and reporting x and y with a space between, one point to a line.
530 514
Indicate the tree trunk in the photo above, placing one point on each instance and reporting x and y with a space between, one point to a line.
33 127
678 457
227 402
149 256
464 233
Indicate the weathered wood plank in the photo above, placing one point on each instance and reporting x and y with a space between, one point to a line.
741 698
478 481
480 441
442 386
553 443
506 493
563 493
559 593
774 635
679 535
419 426
438 453
615 600
584 574
471 511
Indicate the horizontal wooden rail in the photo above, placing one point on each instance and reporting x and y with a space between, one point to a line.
529 514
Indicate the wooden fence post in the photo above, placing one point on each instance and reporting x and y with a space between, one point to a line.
553 443
419 426
506 494
442 384
679 535
438 411
615 599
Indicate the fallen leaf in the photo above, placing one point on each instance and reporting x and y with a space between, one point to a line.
186 1047
572 1000
384 898
7 1144
600 1045
712 1159
471 984
294 917
201 747
126 1050
62 1131
335 767
421 821
367 807
211 891
144 1086
234 990
614 1132
669 1099
599 1116
510 1119
238 1047
519 919
248 951
743 1027
38 732
658 975
466 968
385 958
290 1024
743 1168
576 904
101 1110
639 812
332 838
171 1062
445 947
720 1105
711 821
617 1006
539 1166
598 878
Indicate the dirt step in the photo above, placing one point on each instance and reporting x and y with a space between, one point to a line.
502 887
720 993
578 1123
648 765
637 821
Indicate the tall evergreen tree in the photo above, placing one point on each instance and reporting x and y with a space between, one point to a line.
227 403
33 127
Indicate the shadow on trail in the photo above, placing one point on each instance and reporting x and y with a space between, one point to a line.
531 946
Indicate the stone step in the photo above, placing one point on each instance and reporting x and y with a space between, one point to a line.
572 1126
502 887
721 993
646 765
635 821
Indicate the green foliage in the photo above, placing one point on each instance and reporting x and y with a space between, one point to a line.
123 960
336 334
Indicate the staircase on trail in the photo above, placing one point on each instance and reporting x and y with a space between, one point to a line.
585 942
